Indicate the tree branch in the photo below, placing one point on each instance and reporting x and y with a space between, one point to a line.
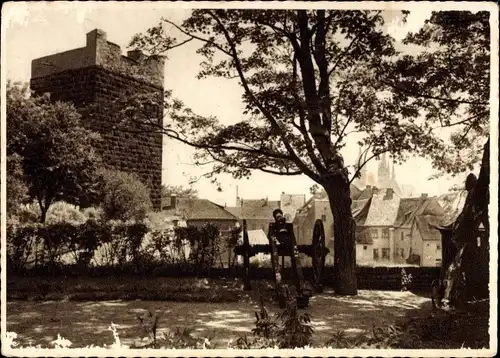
344 53
267 114
414 94
216 45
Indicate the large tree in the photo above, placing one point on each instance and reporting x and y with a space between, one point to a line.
56 153
310 80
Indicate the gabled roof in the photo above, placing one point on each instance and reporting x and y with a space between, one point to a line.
452 204
366 193
409 208
235 210
426 224
258 209
360 210
383 209
364 237
199 209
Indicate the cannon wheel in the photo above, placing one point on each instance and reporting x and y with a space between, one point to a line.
318 256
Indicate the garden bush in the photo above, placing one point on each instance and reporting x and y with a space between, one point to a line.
123 196
65 244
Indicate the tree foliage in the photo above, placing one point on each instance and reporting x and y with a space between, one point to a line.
17 191
57 156
178 190
123 196
312 82
448 82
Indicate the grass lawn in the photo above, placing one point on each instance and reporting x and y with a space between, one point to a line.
217 309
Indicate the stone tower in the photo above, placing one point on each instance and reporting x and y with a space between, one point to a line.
97 75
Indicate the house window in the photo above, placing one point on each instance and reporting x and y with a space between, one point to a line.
375 254
365 247
323 218
374 234
254 226
438 247
385 233
478 241
402 236
385 254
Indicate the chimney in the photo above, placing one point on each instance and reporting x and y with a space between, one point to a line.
389 194
424 195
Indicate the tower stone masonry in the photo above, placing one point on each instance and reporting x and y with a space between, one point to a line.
94 77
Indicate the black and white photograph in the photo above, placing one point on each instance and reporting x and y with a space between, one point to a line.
249 178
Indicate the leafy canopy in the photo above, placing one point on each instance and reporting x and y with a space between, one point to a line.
123 196
448 82
312 81
57 153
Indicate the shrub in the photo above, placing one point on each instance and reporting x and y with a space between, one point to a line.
48 245
58 212
287 330
123 196
17 191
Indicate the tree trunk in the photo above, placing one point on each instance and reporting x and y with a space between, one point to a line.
43 216
344 227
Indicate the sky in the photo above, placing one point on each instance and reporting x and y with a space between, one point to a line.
39 29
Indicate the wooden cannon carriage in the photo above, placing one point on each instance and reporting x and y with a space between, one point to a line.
282 243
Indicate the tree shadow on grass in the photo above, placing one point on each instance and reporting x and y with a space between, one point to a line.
86 323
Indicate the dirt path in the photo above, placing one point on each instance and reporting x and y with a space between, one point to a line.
85 323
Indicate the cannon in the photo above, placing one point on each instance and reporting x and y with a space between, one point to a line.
282 243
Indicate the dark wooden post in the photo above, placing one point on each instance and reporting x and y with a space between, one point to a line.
246 259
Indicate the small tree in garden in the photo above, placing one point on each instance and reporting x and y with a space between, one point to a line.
55 152
123 196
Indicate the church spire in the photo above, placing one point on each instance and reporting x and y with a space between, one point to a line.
383 169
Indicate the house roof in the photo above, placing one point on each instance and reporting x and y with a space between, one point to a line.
199 209
409 208
366 193
383 209
258 209
235 210
452 204
290 203
360 210
426 224
364 238
355 192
